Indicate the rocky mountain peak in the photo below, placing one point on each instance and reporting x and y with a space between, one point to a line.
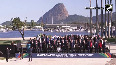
57 13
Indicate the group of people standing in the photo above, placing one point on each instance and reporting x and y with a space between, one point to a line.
67 44
62 44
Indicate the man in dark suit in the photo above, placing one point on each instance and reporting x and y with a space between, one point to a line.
21 52
83 46
7 53
103 46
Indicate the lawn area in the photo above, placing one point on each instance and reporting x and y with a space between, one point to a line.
7 42
111 40
2 58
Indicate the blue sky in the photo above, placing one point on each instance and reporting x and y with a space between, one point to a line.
34 9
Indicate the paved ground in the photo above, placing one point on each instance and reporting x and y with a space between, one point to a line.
112 48
112 62
57 61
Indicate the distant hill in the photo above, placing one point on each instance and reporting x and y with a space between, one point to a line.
99 16
7 23
57 13
83 19
75 18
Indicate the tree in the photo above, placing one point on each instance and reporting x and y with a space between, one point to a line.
32 23
17 24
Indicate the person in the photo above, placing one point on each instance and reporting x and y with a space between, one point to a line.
7 53
49 47
91 46
21 52
100 46
28 46
71 45
36 47
30 53
79 45
63 46
13 47
103 46
88 46
83 45
58 49
96 47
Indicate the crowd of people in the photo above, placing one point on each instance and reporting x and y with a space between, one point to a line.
67 44
61 44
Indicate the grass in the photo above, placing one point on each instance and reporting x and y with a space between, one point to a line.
110 40
2 58
7 42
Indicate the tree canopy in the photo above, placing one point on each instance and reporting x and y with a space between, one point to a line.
17 24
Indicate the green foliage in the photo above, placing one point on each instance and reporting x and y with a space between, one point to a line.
42 24
111 40
17 23
32 23
8 42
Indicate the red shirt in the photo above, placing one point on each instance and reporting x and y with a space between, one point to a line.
90 44
100 45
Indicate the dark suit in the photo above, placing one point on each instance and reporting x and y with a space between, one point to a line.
7 54
83 44
21 52
96 47
103 47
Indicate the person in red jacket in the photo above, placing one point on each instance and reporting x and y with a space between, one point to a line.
100 46
91 46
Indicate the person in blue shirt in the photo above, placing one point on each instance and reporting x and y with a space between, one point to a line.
28 46
29 50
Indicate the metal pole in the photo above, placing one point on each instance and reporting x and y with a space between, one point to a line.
115 21
105 23
97 31
90 20
111 20
108 24
101 19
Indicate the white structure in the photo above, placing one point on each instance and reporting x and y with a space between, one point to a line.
1 26
52 20
37 27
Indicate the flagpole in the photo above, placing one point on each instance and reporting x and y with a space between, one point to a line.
97 26
111 20
108 24
105 23
115 21
90 20
101 18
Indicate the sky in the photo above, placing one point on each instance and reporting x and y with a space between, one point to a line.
34 9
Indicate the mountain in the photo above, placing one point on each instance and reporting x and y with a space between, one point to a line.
81 19
7 23
99 17
75 19
57 13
